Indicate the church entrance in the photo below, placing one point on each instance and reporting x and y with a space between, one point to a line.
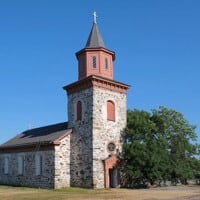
111 172
113 178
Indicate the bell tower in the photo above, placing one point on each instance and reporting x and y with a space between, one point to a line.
95 59
97 114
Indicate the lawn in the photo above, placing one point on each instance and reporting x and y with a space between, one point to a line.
167 193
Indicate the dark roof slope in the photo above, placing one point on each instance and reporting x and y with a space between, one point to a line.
94 39
42 135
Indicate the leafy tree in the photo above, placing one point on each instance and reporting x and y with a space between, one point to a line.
158 146
180 137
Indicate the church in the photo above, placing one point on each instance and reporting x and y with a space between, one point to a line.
84 151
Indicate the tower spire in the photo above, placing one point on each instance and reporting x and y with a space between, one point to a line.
95 39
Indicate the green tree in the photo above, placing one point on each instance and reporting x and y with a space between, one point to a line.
158 146
143 151
180 137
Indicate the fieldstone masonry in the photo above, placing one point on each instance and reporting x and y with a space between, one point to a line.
91 135
105 131
55 167
62 164
29 177
81 138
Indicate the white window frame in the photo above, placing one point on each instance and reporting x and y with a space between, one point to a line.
21 165
38 165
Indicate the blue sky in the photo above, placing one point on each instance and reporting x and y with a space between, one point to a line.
157 46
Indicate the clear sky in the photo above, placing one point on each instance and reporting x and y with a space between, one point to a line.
157 46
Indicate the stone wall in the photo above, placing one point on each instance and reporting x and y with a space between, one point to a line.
81 138
29 177
55 167
105 131
93 133
62 164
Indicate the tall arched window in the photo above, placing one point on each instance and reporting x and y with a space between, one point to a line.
110 111
94 61
106 63
79 111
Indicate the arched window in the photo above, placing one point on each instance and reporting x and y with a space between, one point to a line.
110 111
106 63
79 111
94 61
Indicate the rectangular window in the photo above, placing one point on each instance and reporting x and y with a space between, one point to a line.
38 165
20 165
6 165
94 61
106 63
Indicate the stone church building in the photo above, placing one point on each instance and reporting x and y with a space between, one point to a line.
83 151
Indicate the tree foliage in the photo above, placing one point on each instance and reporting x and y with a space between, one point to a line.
159 146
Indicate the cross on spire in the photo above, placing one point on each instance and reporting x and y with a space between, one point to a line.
95 17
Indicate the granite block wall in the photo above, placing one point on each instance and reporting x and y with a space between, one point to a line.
55 167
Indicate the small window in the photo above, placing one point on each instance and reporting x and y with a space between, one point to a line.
38 165
79 111
21 165
106 63
94 62
110 111
6 165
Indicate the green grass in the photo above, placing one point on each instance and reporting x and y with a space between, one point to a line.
23 193
74 193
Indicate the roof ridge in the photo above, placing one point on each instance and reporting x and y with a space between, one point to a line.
61 124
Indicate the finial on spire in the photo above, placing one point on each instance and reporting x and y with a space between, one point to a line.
95 17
